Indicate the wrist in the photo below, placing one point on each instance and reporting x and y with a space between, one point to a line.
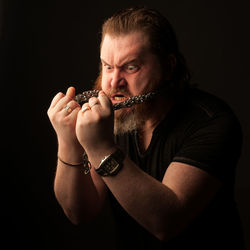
111 164
96 156
84 164
70 152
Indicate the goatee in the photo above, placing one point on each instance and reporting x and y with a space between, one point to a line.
131 119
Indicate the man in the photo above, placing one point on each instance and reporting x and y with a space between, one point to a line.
166 166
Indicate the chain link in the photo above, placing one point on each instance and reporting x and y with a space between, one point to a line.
84 97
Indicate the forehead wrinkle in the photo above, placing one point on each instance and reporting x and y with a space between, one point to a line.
123 49
127 60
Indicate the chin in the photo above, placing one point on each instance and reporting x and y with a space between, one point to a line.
129 119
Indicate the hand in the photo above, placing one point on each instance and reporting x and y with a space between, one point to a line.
94 126
62 114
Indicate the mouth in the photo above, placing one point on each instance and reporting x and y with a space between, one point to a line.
118 97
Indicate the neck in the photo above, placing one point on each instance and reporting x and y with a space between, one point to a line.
160 109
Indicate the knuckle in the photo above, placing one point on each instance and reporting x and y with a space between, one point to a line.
93 100
73 102
60 94
67 98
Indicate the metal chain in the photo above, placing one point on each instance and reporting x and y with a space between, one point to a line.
84 97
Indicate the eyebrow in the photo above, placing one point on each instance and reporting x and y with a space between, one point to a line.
125 63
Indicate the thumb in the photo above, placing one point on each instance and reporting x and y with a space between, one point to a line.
70 92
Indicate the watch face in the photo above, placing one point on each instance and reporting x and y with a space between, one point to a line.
111 164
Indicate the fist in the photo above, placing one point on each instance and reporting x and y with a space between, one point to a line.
63 114
95 125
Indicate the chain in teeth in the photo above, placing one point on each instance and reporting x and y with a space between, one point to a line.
84 97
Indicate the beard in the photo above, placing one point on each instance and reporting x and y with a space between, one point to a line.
130 119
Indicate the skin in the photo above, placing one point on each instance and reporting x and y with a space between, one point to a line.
164 208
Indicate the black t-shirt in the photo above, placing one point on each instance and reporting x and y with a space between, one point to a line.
200 130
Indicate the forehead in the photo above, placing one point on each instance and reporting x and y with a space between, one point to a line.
117 48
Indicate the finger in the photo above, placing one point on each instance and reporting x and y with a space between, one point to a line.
70 92
93 101
56 99
73 104
70 106
85 107
104 100
60 105
75 111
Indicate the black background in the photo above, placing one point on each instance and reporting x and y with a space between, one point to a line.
47 46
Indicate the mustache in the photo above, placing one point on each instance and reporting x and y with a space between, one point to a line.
123 91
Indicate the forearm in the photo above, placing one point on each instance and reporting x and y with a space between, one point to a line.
79 194
75 191
151 203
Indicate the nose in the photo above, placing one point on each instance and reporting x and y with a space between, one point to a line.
118 79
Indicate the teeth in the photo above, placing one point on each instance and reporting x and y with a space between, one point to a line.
119 98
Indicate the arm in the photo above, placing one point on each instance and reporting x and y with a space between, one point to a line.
81 196
163 208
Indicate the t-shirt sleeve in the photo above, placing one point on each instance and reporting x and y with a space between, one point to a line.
213 146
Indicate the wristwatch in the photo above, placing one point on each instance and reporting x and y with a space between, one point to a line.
111 164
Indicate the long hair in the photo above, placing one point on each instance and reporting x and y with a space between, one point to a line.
162 38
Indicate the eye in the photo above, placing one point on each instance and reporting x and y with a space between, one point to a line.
107 67
131 68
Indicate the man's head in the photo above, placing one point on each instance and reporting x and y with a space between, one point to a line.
158 30
139 53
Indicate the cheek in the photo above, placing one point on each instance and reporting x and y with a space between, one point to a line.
138 83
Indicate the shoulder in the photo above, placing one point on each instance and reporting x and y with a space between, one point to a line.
208 104
198 109
209 133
